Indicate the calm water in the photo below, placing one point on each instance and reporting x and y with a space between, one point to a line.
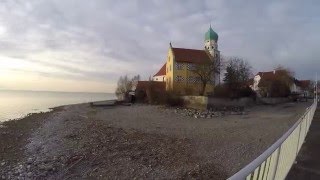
16 104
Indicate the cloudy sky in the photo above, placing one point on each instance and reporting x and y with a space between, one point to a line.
81 45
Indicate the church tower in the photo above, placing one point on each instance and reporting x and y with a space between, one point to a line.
211 45
211 42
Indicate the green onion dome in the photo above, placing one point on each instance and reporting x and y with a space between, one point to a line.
211 35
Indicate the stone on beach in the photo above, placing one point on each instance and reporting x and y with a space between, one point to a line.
210 113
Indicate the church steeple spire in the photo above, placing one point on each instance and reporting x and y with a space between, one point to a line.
211 35
211 41
211 45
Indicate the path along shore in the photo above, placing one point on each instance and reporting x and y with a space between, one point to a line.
142 141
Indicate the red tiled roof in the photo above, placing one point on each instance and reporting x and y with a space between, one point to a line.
270 75
304 83
190 55
162 71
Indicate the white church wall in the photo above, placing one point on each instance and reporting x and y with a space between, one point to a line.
159 78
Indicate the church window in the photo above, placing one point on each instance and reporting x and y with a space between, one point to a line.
191 79
179 78
179 66
191 66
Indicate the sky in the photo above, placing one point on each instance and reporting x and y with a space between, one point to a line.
84 46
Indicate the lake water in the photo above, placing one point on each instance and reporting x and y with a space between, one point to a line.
17 104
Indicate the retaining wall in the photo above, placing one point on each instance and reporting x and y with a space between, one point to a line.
196 102
273 100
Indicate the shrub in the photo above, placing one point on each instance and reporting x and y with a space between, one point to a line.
173 99
221 91
279 88
141 96
246 92
154 96
188 91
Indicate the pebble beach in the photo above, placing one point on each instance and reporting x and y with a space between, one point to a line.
139 141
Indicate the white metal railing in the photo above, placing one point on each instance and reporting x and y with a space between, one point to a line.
277 160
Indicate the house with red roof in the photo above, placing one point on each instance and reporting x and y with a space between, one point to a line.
161 74
263 79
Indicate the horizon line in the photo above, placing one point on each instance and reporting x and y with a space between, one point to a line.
53 91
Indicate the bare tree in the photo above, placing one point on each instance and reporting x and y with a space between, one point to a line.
285 75
126 84
206 72
135 80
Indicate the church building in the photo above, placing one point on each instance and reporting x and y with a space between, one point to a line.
178 70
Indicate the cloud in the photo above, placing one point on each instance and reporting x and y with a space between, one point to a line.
99 40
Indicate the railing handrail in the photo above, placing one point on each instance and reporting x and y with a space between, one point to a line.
248 169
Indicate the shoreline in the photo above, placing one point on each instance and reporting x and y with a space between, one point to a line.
48 110
18 104
79 141
14 136
27 115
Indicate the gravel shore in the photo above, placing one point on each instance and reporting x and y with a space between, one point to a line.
141 141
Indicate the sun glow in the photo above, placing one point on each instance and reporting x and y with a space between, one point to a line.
19 74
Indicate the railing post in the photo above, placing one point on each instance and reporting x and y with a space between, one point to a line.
298 145
306 129
277 163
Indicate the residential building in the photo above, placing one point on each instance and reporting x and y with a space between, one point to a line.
262 80
161 74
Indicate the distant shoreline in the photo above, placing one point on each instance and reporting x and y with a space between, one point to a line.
17 104
55 91
51 109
